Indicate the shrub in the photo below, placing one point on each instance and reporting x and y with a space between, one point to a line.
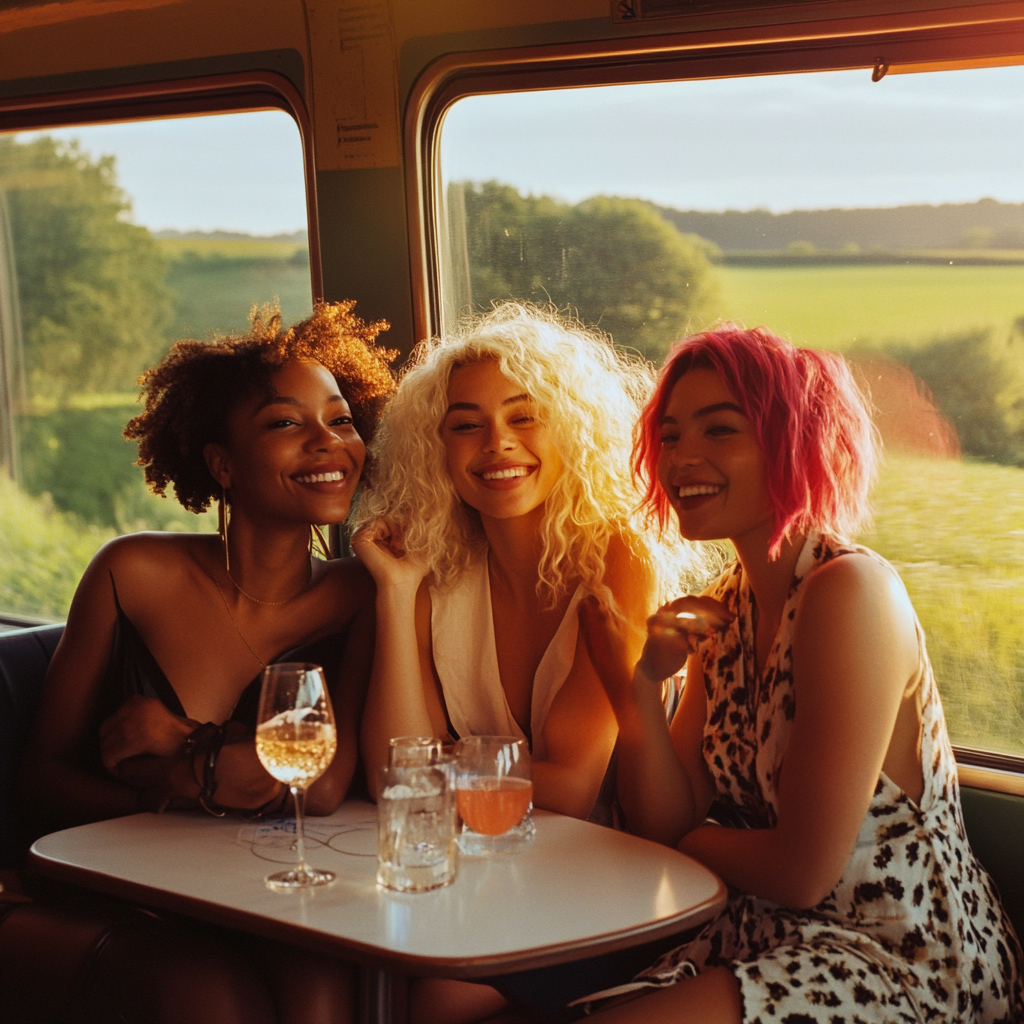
978 383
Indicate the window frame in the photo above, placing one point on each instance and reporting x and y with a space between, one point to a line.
235 93
968 36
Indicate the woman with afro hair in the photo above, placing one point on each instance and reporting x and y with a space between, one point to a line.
170 630
157 675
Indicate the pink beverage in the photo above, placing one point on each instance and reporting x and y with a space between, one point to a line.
491 806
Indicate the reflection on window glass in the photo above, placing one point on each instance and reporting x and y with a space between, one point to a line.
882 220
116 240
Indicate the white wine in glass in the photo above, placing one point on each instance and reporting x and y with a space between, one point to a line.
296 740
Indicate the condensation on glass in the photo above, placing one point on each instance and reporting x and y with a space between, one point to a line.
881 219
116 240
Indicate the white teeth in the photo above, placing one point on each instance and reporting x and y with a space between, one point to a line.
695 490
321 478
506 474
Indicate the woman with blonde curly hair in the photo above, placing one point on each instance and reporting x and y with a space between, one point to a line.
150 700
502 497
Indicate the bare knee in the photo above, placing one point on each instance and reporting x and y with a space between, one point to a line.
713 997
160 974
308 988
444 1001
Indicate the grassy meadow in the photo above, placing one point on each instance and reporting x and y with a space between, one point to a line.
46 550
217 281
955 532
844 307
231 248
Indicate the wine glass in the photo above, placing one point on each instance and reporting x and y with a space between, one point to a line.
494 794
296 740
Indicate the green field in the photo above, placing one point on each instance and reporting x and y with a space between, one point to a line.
217 281
230 248
955 532
848 307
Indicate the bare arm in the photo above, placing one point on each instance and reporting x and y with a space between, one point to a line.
854 653
403 698
143 734
142 743
662 782
54 781
580 729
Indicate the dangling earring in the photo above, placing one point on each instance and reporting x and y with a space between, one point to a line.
223 519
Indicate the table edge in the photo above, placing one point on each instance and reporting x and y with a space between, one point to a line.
350 949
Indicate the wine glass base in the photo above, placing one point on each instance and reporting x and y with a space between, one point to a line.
289 881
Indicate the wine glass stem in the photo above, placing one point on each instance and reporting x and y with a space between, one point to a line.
299 799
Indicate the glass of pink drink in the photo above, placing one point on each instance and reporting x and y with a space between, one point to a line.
494 794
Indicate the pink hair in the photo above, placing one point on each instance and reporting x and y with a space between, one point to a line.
809 418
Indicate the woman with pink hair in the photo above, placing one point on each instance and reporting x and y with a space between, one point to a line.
809 726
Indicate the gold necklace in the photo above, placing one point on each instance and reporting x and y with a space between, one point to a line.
238 630
275 604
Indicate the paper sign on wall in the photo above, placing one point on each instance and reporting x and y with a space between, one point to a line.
355 96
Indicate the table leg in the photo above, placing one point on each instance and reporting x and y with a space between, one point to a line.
382 996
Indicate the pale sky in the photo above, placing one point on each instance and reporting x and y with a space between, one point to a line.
781 142
233 172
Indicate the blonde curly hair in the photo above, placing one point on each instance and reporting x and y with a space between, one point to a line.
588 394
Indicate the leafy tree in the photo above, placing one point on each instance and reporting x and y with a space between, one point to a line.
616 262
978 382
94 304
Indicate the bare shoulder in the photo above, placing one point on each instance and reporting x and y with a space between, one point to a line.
628 576
157 549
856 579
857 599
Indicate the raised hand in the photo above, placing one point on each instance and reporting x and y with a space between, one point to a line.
676 629
142 725
381 549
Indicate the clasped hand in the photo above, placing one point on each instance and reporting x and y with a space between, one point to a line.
675 631
382 550
142 725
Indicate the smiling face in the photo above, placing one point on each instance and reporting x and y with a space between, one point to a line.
502 460
711 465
294 454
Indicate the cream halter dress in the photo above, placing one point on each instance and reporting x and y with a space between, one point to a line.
466 659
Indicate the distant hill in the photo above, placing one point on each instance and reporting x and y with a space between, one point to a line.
986 224
230 236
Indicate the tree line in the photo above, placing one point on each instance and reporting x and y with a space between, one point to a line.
94 303
986 224
615 263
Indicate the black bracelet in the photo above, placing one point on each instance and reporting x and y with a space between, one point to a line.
208 740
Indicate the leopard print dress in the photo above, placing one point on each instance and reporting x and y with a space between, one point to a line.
914 931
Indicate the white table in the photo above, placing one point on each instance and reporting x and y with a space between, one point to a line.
579 890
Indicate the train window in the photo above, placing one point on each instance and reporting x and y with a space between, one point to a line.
115 240
883 219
